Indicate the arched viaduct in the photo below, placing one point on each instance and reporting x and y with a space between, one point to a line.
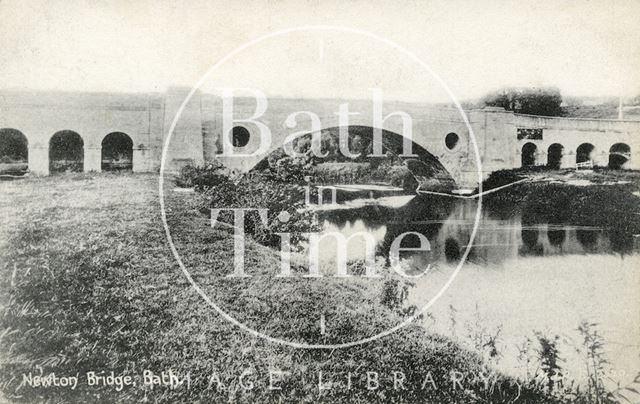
97 131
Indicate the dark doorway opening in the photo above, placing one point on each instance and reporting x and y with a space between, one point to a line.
554 156
14 152
583 153
529 155
117 152
619 155
66 152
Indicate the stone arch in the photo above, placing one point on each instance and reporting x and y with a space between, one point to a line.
619 155
528 157
584 153
117 152
424 166
14 152
66 152
554 156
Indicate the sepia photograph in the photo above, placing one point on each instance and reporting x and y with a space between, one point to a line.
317 201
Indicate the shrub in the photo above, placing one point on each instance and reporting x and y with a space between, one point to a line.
549 357
261 192
500 178
388 173
211 175
595 360
289 169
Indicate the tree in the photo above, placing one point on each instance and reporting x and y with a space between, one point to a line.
535 101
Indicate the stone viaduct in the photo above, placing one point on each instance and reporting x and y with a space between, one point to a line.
53 131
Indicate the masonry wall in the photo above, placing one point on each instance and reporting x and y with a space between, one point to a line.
571 133
198 133
93 116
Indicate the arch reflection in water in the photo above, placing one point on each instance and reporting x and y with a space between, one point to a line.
452 250
621 242
588 239
501 237
420 215
530 244
556 236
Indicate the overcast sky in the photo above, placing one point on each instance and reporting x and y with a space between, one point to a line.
582 47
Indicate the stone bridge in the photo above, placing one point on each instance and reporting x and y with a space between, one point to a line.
53 131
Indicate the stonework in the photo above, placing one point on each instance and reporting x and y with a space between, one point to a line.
197 135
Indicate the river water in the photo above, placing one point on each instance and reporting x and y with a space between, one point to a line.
522 277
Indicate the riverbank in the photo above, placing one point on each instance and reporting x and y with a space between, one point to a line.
600 197
596 176
89 284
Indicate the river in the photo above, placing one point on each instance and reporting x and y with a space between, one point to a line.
522 276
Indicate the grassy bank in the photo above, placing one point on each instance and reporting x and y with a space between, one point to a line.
89 284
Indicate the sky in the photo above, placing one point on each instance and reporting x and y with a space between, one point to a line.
586 48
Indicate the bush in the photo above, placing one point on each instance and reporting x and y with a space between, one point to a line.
262 192
211 175
535 101
293 170
501 177
386 172
397 175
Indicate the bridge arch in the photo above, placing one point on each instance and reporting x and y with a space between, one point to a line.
117 152
619 155
584 153
423 165
14 151
528 157
555 153
66 152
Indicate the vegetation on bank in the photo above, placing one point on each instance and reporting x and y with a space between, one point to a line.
89 285
361 167
562 197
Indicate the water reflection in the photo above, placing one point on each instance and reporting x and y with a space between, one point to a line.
556 236
530 245
452 250
386 224
588 239
448 224
551 271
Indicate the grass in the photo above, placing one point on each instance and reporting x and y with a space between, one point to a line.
89 284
